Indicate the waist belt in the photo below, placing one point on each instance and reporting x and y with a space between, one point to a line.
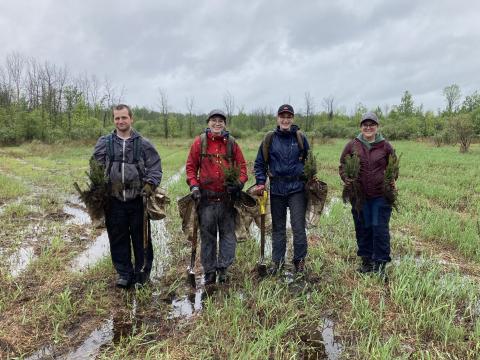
211 196
287 178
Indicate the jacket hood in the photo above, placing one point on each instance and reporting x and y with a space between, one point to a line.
378 138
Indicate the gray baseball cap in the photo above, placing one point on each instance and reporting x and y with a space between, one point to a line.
369 116
217 112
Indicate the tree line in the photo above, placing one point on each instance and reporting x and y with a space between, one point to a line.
46 102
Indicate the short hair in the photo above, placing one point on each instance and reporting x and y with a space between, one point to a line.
121 107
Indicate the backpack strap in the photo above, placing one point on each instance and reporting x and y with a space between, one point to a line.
301 145
203 148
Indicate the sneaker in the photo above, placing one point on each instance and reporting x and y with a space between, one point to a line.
122 282
366 266
222 275
299 266
210 278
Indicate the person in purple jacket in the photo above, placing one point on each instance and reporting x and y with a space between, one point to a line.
372 222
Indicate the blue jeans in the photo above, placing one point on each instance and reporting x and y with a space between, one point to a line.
372 229
297 202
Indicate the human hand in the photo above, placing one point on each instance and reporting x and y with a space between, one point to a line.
259 189
148 189
195 193
349 181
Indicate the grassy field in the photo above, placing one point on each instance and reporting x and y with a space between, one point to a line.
429 309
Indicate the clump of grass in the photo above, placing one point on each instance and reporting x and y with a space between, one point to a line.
310 169
352 191
391 174
96 196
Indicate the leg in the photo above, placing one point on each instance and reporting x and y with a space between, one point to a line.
363 231
228 240
116 220
381 231
136 230
298 205
278 207
208 235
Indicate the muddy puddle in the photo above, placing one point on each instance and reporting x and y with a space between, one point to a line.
320 343
94 253
188 305
18 261
78 216
105 334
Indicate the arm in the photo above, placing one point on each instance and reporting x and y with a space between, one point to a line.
100 150
347 150
260 167
153 164
193 163
240 161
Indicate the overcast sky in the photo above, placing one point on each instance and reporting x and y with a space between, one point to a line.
264 53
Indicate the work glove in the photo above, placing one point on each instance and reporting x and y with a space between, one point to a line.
195 193
148 189
259 189
234 190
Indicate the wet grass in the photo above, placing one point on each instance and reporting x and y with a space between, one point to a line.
429 309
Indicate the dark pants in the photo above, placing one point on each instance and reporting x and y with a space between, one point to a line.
372 229
297 202
124 221
216 217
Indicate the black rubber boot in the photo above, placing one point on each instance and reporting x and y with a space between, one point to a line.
299 266
274 268
379 269
222 275
366 266
122 282
210 278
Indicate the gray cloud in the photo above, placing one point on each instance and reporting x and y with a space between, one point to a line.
261 52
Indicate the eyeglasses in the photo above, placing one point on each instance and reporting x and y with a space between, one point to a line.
217 121
369 125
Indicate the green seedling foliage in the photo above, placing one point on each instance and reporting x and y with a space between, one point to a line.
231 174
390 176
310 168
96 196
352 191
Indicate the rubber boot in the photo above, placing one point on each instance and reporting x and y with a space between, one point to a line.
379 269
222 275
366 266
210 278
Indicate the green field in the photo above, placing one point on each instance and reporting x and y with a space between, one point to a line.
429 309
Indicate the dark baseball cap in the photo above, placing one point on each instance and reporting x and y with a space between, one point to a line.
285 108
369 116
217 112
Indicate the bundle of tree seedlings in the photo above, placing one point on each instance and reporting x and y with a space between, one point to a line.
391 174
352 191
95 197
315 188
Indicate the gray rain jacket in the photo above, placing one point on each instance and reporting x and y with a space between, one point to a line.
125 180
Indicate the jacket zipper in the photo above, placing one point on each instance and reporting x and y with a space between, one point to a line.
123 170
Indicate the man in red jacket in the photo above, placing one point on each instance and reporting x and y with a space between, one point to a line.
209 154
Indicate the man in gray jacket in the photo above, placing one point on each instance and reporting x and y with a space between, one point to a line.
133 168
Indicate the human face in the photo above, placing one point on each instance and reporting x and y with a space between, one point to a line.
369 130
123 122
216 124
285 121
